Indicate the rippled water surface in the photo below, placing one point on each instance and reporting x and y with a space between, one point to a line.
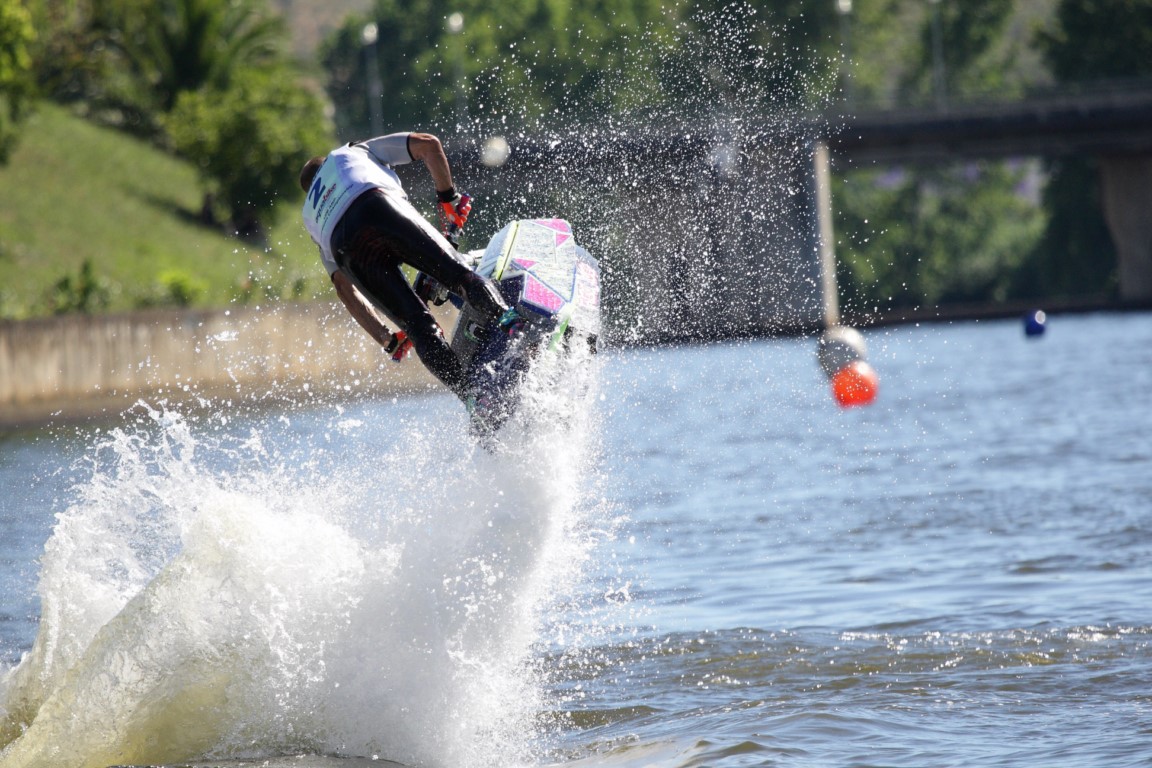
959 574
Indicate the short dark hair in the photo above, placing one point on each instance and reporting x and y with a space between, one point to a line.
308 172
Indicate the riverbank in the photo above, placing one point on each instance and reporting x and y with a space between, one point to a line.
81 367
968 312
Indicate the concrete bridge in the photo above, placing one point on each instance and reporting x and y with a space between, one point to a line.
1113 124
690 204
1103 121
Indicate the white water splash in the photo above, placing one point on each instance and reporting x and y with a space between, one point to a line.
211 595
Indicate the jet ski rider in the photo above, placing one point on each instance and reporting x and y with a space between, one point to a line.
357 212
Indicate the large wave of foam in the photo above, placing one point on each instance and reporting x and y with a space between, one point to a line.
328 584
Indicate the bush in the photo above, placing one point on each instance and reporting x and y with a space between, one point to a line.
83 292
180 289
172 288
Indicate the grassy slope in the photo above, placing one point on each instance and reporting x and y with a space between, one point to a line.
73 191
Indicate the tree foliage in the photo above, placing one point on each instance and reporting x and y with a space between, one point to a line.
125 62
543 64
66 55
406 60
186 45
1074 256
16 84
959 44
635 65
249 140
161 49
1099 39
939 235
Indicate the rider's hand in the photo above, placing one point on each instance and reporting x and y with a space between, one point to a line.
398 346
454 209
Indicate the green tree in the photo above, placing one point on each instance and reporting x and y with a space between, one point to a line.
249 141
72 57
542 64
406 61
731 66
16 85
940 235
959 44
130 60
1099 39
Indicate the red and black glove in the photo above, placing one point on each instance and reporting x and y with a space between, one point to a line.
399 346
454 209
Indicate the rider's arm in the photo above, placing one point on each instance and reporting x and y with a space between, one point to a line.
428 149
360 308
391 149
401 148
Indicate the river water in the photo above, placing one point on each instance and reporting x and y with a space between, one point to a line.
704 563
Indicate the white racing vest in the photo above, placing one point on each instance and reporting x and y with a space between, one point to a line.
347 173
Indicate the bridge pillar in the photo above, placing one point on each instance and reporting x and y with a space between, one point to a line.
1127 198
778 220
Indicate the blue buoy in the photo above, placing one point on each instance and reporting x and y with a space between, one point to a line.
1034 323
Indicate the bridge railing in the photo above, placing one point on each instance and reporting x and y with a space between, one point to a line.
1117 91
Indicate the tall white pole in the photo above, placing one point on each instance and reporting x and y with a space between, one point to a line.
369 36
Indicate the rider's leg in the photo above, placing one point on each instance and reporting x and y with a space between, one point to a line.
364 254
416 242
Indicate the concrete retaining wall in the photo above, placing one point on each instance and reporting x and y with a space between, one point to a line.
74 367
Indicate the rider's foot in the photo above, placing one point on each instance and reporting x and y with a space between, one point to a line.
429 290
511 322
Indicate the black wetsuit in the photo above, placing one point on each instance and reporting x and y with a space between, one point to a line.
373 238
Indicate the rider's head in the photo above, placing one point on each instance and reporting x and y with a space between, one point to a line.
308 172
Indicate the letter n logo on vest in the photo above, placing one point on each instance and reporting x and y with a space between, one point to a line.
316 193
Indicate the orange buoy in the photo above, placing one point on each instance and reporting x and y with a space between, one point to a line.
855 384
